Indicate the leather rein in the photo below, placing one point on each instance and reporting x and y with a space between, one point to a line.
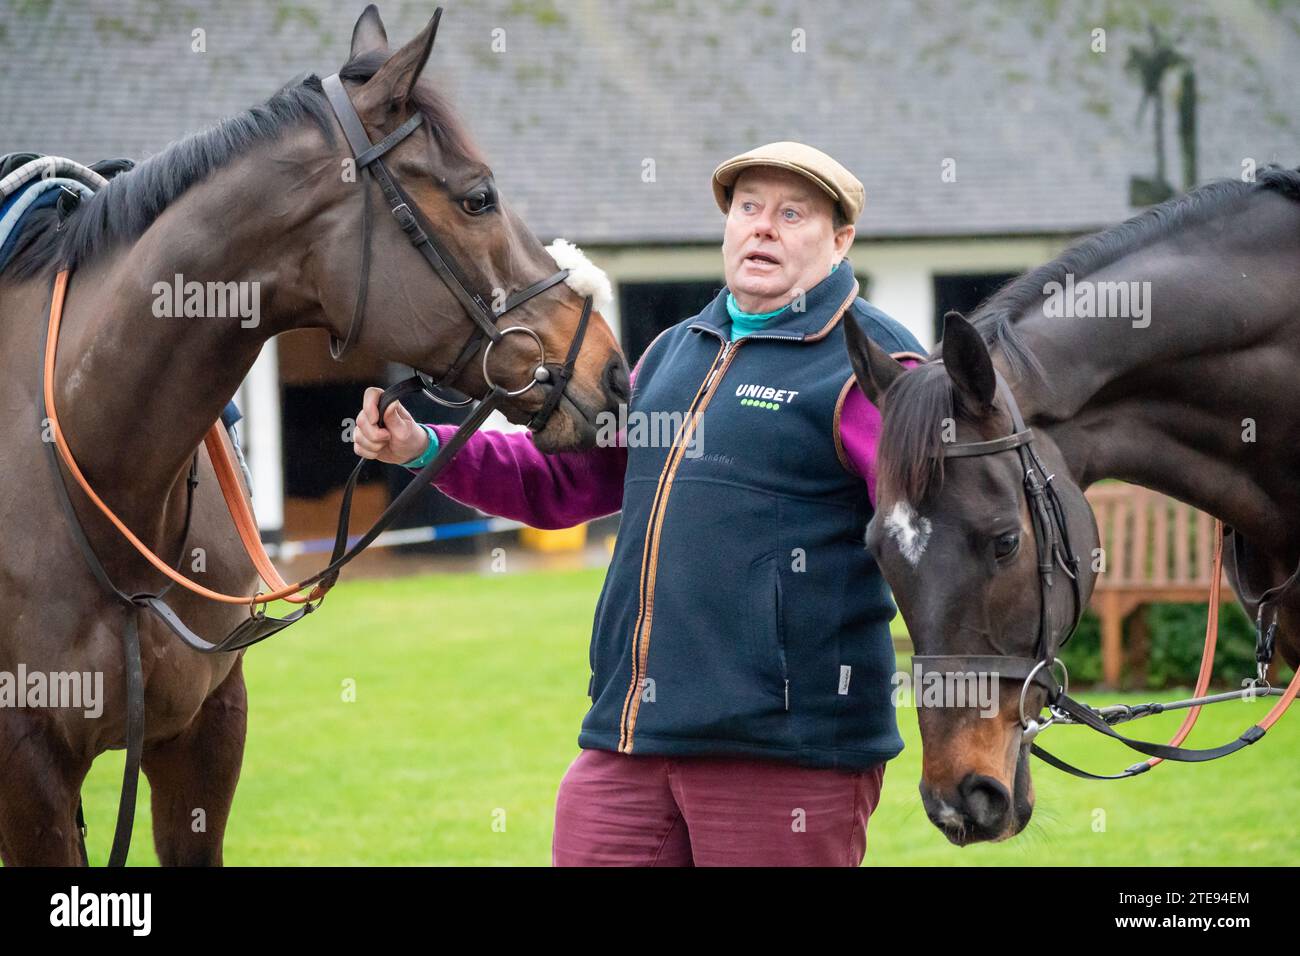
1051 538
258 626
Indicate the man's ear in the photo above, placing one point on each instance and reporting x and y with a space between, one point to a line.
873 367
369 36
398 76
966 358
844 241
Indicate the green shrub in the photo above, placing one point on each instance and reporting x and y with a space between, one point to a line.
1177 638
1082 655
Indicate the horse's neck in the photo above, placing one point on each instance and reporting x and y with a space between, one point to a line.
137 385
1194 404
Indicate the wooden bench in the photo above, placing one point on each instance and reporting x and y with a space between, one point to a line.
1155 549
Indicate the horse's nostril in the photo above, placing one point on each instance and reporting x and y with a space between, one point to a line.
985 801
617 385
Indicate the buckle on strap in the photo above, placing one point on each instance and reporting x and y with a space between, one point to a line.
405 218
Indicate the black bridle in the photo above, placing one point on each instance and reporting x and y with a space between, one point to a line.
368 156
1052 540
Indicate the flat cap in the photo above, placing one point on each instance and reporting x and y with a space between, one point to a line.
832 178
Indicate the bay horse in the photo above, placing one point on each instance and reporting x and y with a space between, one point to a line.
270 196
1189 390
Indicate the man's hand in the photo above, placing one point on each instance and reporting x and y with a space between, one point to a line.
398 439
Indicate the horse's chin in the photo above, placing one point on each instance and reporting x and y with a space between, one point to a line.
568 429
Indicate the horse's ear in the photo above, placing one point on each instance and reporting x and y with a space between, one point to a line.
369 36
398 76
966 357
873 367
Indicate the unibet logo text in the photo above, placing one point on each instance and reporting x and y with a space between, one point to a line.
765 396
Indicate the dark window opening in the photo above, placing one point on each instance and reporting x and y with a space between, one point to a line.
964 293
647 308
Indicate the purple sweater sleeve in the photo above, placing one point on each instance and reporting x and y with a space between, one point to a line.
859 430
503 474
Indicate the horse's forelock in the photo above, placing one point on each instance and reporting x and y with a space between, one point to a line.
917 407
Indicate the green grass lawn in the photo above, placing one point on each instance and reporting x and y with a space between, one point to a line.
469 694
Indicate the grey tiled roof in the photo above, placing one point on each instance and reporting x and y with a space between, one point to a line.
1043 131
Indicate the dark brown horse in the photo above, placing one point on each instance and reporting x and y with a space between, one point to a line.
270 197
1179 374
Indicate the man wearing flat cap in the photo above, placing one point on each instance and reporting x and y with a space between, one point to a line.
741 660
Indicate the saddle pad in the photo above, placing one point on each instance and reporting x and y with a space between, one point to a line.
35 194
49 167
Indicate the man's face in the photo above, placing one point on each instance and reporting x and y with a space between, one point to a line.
779 238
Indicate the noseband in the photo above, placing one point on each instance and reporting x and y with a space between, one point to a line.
1052 541
369 158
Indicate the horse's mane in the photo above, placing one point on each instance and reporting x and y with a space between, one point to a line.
921 400
122 210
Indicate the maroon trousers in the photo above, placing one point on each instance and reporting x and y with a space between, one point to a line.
626 810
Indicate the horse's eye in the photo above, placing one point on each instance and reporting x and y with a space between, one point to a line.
1005 545
479 201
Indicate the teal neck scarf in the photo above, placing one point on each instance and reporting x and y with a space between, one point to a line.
742 323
